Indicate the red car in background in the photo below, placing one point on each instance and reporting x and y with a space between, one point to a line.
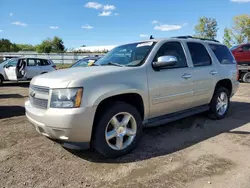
242 55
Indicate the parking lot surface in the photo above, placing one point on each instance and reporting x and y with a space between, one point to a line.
193 152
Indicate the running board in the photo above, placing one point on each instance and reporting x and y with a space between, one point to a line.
174 116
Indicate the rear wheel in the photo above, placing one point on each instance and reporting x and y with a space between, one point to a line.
220 103
246 77
118 130
1 79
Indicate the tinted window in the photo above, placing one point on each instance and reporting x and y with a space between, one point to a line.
42 62
32 62
199 54
173 49
222 53
246 48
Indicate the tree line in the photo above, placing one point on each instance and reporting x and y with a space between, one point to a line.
239 33
206 28
49 45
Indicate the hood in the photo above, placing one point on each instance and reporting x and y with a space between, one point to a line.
62 78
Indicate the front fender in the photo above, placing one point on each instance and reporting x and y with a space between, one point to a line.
101 93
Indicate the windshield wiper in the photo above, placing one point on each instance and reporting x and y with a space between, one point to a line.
115 64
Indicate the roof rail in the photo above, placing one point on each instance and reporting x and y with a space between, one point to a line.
191 37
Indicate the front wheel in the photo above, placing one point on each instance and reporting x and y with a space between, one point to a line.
118 130
220 103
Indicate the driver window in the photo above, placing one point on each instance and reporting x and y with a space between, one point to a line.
12 63
173 49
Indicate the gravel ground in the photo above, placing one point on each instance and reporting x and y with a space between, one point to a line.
193 152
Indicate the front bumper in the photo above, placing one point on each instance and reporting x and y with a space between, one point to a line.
69 125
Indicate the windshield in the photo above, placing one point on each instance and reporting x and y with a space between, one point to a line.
84 63
127 55
234 47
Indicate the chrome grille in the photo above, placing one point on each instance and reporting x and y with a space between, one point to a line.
39 96
39 103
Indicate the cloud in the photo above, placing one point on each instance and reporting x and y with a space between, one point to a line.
87 27
117 14
109 7
11 14
54 27
93 5
240 1
20 23
1 30
166 27
144 35
105 13
155 22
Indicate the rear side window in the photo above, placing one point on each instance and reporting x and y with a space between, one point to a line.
199 54
32 62
246 48
222 53
42 62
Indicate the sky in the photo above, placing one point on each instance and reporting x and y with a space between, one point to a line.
110 22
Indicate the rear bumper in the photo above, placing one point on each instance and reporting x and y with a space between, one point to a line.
68 125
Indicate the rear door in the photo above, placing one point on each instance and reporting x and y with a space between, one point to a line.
204 73
44 66
10 70
32 68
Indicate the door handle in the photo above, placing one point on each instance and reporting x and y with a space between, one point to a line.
186 76
213 72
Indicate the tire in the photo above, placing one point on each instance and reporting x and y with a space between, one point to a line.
221 113
246 77
110 147
1 79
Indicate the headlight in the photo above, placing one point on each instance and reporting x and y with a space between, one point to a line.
66 98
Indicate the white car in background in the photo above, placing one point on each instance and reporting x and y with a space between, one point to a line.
19 69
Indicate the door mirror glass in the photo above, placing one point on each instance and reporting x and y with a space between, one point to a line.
165 61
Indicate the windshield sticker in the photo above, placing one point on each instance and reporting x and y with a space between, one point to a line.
144 44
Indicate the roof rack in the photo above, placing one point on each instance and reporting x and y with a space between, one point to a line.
190 37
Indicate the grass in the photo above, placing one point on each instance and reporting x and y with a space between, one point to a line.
63 66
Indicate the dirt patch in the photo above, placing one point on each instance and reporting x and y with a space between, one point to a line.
180 154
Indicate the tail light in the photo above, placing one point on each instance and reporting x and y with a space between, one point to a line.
54 66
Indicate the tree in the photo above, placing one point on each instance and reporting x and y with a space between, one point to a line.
227 39
26 47
45 46
241 29
49 45
57 45
5 45
206 28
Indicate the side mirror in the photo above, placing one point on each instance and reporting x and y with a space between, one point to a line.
165 61
240 50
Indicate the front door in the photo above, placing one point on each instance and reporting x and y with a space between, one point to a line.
10 70
170 89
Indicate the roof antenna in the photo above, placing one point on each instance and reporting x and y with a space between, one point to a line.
151 37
